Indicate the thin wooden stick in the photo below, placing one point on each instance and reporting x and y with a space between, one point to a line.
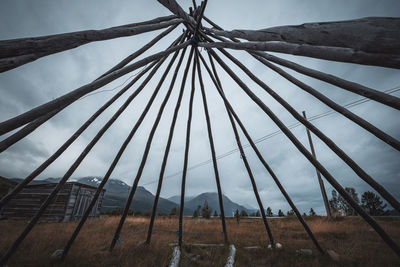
167 149
53 157
320 181
385 237
73 167
143 161
202 8
210 138
16 52
353 87
65 100
261 158
9 141
350 162
117 158
187 144
244 158
26 130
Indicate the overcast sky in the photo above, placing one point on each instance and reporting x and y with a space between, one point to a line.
45 79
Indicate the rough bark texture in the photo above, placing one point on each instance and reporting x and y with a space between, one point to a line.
16 52
175 8
340 54
373 34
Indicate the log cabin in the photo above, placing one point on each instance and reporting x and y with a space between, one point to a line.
70 203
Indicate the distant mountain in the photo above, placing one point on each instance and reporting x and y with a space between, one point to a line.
212 200
117 192
177 199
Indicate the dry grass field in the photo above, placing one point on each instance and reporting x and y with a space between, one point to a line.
351 238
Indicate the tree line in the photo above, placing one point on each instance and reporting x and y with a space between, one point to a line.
370 202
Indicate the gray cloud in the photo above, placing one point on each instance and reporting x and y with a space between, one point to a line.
35 83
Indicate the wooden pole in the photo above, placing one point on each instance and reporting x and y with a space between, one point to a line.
350 162
260 157
53 157
167 149
9 141
210 138
176 9
321 183
65 100
371 41
339 54
385 237
16 52
116 160
187 145
244 158
353 87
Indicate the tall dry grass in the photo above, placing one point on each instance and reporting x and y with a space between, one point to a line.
351 238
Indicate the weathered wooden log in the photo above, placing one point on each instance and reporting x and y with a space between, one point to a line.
212 147
385 237
16 52
73 167
145 155
322 52
176 9
260 157
371 34
117 158
15 137
245 161
353 87
363 37
187 144
65 100
167 149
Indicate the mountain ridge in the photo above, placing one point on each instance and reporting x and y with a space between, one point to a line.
117 192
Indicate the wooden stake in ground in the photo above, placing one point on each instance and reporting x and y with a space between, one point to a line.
321 183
